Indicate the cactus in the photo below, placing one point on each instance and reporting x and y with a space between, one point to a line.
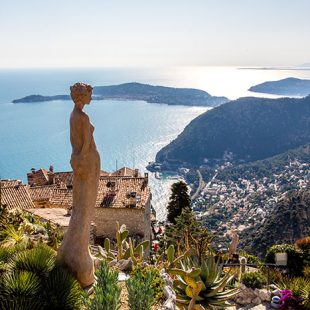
201 286
124 249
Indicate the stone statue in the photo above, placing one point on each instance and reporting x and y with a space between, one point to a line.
233 244
85 161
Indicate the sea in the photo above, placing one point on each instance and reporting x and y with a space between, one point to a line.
127 133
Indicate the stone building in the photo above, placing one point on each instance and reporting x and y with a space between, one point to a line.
123 196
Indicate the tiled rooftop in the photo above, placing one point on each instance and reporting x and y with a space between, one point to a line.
16 197
121 189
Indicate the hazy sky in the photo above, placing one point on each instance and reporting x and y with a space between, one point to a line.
38 33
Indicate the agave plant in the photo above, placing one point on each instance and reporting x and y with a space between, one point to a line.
202 286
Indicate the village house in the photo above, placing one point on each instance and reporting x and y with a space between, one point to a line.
123 196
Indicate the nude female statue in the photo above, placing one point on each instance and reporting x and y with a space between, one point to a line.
85 162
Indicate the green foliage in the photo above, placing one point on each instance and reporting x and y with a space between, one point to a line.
20 290
140 292
158 283
243 127
106 291
251 259
295 261
39 261
124 249
32 280
254 279
187 234
178 201
300 287
202 285
61 290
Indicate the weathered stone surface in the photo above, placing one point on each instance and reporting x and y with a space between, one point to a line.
264 295
170 302
256 301
85 162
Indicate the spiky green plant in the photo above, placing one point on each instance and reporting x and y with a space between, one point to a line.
202 286
124 249
61 290
31 280
140 291
40 261
106 291
20 290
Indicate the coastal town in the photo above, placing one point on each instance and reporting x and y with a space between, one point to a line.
227 204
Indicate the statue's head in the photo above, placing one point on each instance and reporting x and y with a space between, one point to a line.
81 93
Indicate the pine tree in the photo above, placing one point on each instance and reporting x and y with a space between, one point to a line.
179 200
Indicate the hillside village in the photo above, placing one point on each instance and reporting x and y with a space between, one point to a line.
123 195
228 204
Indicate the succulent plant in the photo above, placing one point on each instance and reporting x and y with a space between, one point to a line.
124 249
202 286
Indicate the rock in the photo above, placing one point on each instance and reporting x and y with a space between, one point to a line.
256 301
122 276
97 262
170 302
273 287
124 264
276 292
243 301
264 295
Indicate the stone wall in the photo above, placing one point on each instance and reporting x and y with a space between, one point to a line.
105 221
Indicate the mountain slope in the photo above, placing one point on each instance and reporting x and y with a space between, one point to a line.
286 223
250 128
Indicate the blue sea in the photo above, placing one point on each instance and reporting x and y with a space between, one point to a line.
127 133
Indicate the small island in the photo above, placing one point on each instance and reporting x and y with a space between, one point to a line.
145 92
286 87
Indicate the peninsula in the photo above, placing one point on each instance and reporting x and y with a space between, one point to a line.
145 92
286 87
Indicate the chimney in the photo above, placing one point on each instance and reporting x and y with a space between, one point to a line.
51 168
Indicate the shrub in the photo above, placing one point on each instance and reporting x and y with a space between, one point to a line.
251 259
140 292
295 261
158 283
106 291
254 279
32 280
300 288
306 272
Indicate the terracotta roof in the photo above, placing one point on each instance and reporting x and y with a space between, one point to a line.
8 183
63 177
16 197
126 172
41 192
122 192
62 197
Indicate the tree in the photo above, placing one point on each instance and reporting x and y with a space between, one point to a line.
178 201
187 234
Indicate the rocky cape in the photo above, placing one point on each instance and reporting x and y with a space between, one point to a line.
246 130
286 87
145 92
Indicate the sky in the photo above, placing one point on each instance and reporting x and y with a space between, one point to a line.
118 33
